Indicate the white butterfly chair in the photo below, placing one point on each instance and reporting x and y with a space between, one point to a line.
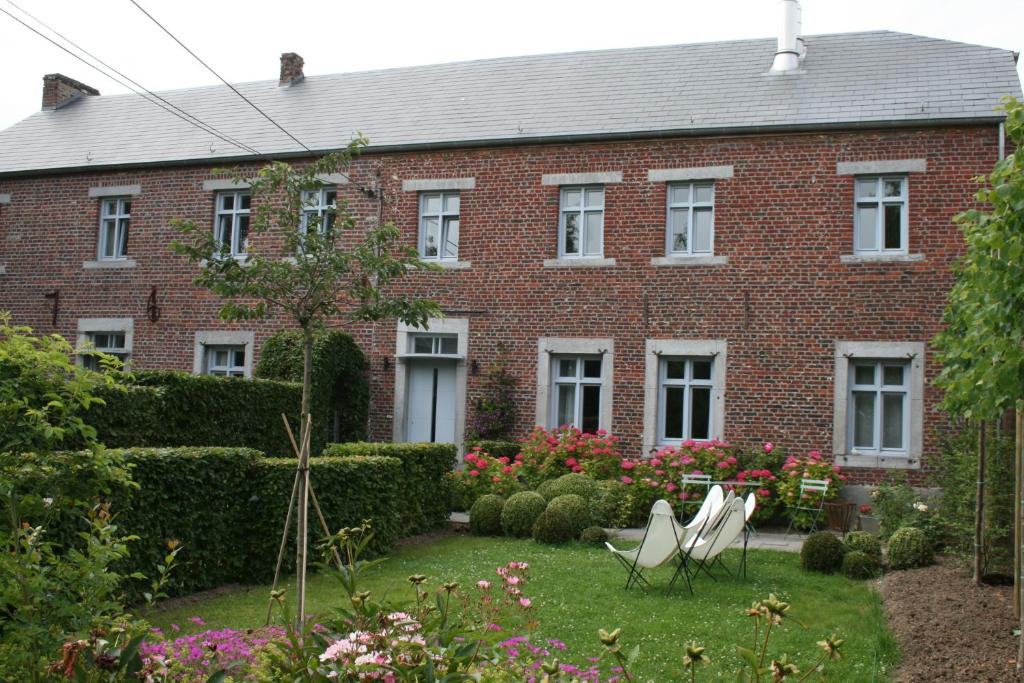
711 505
706 547
662 539
749 506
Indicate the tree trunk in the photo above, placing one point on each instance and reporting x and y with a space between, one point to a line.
302 518
979 503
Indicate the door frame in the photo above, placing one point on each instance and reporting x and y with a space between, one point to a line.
456 326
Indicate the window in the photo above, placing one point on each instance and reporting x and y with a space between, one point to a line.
434 344
321 205
115 213
880 218
577 384
685 388
113 343
439 226
231 229
691 218
225 361
581 222
879 418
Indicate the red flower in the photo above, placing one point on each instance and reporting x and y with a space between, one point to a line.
474 473
865 509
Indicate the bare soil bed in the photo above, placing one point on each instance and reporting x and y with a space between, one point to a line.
948 629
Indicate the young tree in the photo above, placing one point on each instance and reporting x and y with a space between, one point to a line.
310 277
982 346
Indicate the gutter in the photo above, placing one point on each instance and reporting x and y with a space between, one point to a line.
536 140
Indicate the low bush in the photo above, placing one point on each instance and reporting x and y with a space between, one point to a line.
485 515
908 548
594 535
822 552
553 526
484 473
497 449
549 454
864 542
811 466
857 564
520 512
575 509
573 483
423 479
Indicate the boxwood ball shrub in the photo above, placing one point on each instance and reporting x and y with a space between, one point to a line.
520 511
857 564
575 508
485 515
553 526
573 483
865 542
908 547
822 552
594 535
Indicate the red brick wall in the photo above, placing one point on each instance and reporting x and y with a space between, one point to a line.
782 300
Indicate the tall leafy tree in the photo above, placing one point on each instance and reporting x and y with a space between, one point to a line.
309 264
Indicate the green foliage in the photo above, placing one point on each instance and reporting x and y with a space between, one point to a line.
897 505
908 547
521 510
822 552
339 391
865 542
574 483
494 412
982 345
44 396
857 564
173 409
594 535
497 449
575 509
553 526
485 515
423 479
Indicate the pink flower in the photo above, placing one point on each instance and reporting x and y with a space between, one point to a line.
198 621
503 460
769 447
483 584
655 462
815 455
474 473
570 462
764 493
670 487
626 480
865 509
628 464
602 432
684 495
495 478
577 468
525 602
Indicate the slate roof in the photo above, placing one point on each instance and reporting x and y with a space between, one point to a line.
853 79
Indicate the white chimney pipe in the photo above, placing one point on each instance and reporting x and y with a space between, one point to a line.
789 52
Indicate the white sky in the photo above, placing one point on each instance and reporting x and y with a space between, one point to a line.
244 39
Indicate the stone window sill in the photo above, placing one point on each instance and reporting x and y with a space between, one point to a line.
878 462
443 265
579 263
115 264
881 258
689 260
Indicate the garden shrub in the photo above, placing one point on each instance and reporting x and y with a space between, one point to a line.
553 526
497 449
521 510
575 509
866 543
908 548
494 411
822 552
173 409
340 391
549 454
594 535
423 479
485 515
572 483
484 473
857 564
811 466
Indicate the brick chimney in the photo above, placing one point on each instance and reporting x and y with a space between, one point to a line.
291 69
59 90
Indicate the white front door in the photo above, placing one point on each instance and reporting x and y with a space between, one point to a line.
430 408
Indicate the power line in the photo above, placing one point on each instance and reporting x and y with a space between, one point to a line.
212 129
184 117
210 69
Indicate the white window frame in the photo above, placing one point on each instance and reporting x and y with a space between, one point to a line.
688 385
699 349
879 390
578 381
436 345
89 327
221 338
550 347
231 369
238 250
846 354
582 211
315 203
880 202
121 218
444 219
689 207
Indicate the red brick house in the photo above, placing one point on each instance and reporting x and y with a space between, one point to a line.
748 240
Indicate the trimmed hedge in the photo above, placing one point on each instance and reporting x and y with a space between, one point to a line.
575 509
520 512
485 515
423 480
553 526
340 391
909 548
822 552
172 409
857 564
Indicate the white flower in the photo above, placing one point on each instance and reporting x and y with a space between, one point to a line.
920 506
47 502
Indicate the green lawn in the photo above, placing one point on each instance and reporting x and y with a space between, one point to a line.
578 589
